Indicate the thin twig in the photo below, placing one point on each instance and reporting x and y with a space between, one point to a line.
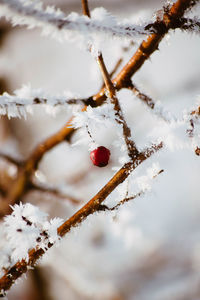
131 147
11 159
146 99
52 191
85 7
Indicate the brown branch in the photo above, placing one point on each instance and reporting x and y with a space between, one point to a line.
92 206
52 191
131 147
146 99
10 159
126 199
40 289
85 7
147 47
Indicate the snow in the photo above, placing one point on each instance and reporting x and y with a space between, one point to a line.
25 229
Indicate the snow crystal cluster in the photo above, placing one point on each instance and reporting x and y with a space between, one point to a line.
23 100
25 229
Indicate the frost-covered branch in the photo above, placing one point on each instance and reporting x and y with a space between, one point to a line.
50 237
191 25
22 101
55 23
111 92
147 47
74 27
156 107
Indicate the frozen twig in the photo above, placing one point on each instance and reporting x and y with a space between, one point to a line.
131 147
55 23
22 101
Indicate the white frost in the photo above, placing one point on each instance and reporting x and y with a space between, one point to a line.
27 228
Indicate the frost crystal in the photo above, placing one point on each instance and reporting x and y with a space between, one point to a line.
27 228
93 117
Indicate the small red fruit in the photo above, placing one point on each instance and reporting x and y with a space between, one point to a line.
100 156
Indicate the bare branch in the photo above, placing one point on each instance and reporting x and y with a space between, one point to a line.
52 191
11 160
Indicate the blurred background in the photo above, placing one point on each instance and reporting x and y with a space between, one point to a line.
149 249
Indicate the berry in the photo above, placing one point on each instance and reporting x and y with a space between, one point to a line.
100 156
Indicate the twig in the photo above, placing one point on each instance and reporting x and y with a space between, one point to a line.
146 99
11 160
131 147
85 7
52 191
126 199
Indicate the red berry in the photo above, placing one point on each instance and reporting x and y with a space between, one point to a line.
100 156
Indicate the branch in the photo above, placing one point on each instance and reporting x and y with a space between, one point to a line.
91 207
11 160
21 102
157 108
75 27
131 147
145 99
34 15
52 191
127 199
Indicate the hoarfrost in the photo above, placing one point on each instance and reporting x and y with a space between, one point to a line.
27 228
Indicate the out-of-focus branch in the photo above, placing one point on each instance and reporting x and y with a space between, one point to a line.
195 114
52 191
146 99
91 207
11 159
85 7
40 285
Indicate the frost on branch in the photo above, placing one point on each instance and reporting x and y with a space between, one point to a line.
19 104
74 27
27 228
97 116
